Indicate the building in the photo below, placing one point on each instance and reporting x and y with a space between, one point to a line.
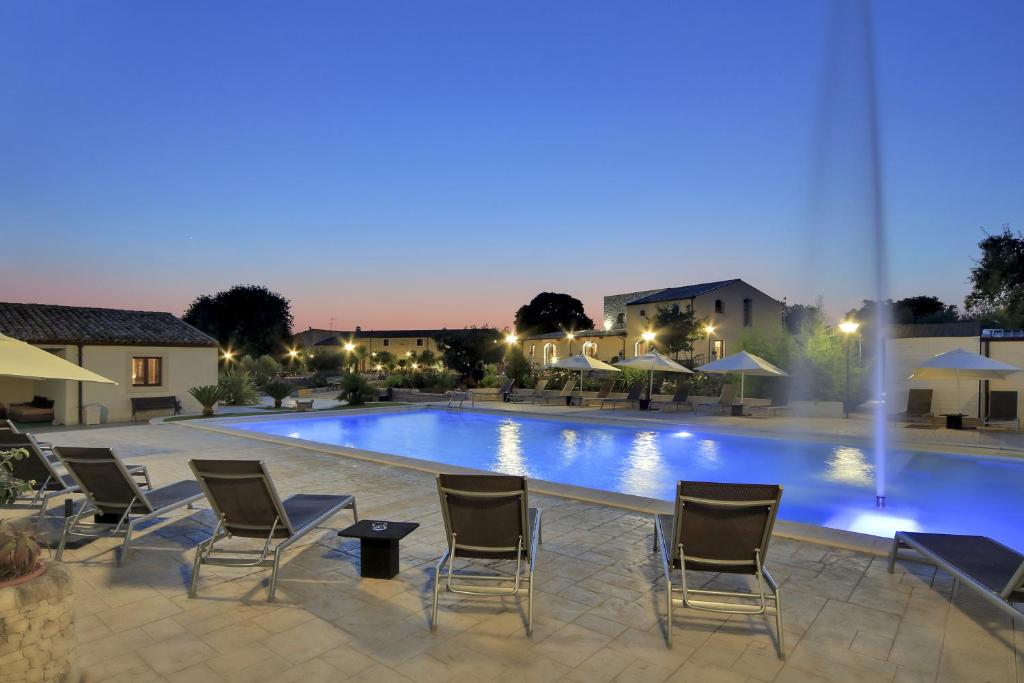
907 346
147 353
731 308
396 342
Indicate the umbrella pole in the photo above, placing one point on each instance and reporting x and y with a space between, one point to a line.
650 387
743 382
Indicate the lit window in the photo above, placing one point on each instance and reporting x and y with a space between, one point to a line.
147 371
719 350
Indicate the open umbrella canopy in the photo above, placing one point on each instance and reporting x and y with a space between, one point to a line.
653 362
744 363
18 359
961 363
585 363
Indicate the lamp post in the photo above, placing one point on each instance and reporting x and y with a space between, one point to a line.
847 327
709 330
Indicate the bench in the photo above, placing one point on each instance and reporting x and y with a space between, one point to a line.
155 403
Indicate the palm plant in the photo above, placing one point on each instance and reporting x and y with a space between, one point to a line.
10 486
355 389
278 391
19 552
238 387
207 396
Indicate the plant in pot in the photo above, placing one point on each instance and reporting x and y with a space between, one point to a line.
10 486
278 391
19 555
208 396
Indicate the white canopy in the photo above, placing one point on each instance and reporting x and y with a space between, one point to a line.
18 359
584 363
962 363
653 362
744 363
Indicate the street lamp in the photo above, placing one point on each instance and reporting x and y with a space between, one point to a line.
350 347
648 337
848 328
228 355
709 330
570 336
511 339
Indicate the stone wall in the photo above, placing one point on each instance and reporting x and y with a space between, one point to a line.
614 304
415 396
37 630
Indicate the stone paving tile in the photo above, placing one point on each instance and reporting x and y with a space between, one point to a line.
599 602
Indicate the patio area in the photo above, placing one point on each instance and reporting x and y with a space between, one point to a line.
599 603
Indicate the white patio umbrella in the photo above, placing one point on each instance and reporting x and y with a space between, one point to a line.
18 359
584 363
744 363
654 362
961 363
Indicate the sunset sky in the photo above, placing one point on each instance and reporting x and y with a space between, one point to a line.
419 164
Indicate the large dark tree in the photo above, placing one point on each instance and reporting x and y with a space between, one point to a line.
551 312
468 351
678 329
923 309
798 317
997 279
248 319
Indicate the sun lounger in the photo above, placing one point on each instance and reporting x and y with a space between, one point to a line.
39 468
529 394
602 392
991 569
564 393
680 398
246 503
919 406
1002 409
8 427
491 394
632 397
487 518
720 528
112 493
724 402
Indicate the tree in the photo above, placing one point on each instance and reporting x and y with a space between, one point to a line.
468 351
997 279
677 329
798 316
518 366
249 319
923 309
551 312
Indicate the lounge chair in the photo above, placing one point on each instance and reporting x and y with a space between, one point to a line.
990 568
529 394
602 392
39 469
1002 409
720 528
919 406
112 493
724 403
632 397
8 427
245 500
680 398
487 517
564 393
497 394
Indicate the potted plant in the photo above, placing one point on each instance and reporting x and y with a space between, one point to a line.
19 555
277 391
10 486
208 396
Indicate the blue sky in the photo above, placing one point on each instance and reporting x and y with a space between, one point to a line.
421 164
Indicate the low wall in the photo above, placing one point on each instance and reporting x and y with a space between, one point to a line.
817 408
414 396
37 630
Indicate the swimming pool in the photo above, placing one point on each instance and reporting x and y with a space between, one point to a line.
825 484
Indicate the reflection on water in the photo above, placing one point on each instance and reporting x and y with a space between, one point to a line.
643 469
570 446
510 449
848 465
707 451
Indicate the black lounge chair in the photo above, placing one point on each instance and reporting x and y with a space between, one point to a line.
989 567
602 392
681 397
112 493
39 469
721 528
243 496
1002 409
724 402
919 406
529 394
487 517
632 397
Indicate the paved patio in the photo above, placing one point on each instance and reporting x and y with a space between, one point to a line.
598 603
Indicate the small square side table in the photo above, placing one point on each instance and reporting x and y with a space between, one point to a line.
378 550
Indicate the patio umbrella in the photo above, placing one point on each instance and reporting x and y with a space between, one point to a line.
744 363
654 362
584 363
18 359
962 363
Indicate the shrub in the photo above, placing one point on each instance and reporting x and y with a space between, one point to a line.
325 359
278 391
10 486
238 387
263 369
355 389
19 552
208 395
518 367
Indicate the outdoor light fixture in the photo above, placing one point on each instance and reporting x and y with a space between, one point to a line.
709 329
415 366
350 347
408 353
511 339
848 326
228 355
648 336
607 325
293 353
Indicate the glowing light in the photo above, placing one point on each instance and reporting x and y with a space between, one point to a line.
350 347
648 336
848 326
511 339
373 355
379 367
293 353
710 329
415 366
228 355
880 524
408 353
570 336
607 325
682 435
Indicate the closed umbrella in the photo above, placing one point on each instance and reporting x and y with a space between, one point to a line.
584 363
743 363
654 362
18 359
961 363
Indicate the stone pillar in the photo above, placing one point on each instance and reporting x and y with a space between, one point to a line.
37 630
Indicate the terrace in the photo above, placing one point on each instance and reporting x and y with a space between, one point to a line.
598 608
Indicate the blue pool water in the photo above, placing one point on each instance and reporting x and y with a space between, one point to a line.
825 484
